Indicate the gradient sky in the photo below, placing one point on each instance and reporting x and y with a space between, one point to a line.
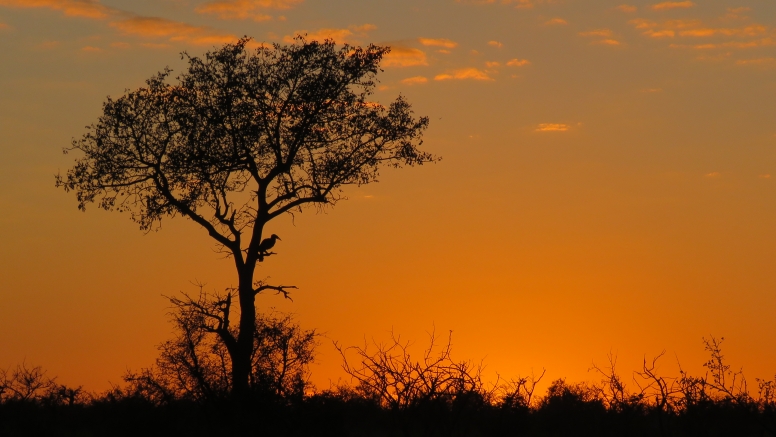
608 184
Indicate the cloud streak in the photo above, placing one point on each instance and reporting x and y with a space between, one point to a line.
744 37
333 34
664 6
556 22
753 30
518 62
72 8
552 127
626 8
465 74
758 61
438 42
404 57
175 31
608 42
606 33
416 80
244 9
764 42
128 23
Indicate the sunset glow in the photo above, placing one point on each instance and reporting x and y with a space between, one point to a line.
605 185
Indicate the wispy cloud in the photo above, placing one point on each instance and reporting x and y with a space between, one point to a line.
244 9
128 23
404 57
753 30
556 22
518 62
464 74
737 13
520 4
336 35
438 42
607 42
4 26
72 8
641 23
757 61
415 80
495 44
682 24
154 27
626 8
696 29
764 42
672 5
552 127
660 33
597 32
713 175
91 49
527 4
606 34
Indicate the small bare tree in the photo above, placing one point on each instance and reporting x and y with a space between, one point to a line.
26 383
727 384
612 389
519 392
391 376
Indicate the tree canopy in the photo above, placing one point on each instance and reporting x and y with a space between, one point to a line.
244 136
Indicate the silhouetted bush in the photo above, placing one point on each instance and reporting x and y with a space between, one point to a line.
395 394
195 364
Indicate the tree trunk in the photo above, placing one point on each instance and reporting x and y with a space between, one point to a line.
241 359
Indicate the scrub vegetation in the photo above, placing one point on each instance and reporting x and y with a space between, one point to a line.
391 393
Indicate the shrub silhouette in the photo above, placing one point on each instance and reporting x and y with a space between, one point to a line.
390 376
195 366
394 394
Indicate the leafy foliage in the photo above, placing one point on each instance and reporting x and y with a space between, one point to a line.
284 125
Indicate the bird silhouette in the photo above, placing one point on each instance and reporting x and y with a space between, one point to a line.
267 244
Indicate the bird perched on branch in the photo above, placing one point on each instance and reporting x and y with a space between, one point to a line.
267 244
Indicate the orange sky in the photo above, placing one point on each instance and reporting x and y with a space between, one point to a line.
607 184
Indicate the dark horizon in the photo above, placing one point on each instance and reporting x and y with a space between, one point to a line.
606 185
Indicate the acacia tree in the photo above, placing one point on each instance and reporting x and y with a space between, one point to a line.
238 139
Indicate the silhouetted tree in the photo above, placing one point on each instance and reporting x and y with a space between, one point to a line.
194 365
239 139
518 393
25 383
